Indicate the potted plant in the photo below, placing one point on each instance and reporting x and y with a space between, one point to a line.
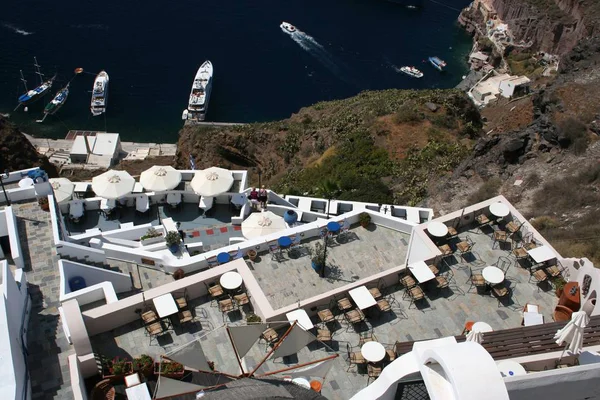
173 239
152 236
559 284
253 318
43 202
211 365
116 368
252 254
364 219
143 364
318 257
178 274
169 369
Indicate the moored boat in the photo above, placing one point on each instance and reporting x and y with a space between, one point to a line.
33 95
99 94
58 101
412 71
287 27
200 94
437 62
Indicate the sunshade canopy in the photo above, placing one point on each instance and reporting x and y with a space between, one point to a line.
113 184
263 223
212 181
160 178
63 189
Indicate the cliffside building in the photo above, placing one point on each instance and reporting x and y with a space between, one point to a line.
487 91
101 149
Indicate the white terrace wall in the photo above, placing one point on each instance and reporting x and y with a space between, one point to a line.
13 236
77 381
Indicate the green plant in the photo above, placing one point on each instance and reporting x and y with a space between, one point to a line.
142 363
407 115
253 318
573 134
151 233
364 219
173 238
170 367
118 366
559 283
43 201
318 255
544 222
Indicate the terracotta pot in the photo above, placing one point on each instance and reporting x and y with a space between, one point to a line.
252 255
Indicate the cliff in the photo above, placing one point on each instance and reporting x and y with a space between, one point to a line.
16 152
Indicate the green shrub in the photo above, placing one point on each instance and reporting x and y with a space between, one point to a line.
544 222
443 121
573 134
407 115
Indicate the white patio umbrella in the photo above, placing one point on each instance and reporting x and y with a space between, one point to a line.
212 181
113 184
263 223
63 189
572 333
474 336
160 178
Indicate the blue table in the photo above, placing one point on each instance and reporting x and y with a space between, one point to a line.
333 227
284 241
223 258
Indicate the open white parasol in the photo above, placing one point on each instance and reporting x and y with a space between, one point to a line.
62 188
263 223
160 178
212 181
113 184
572 333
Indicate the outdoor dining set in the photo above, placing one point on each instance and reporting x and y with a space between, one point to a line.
166 310
229 293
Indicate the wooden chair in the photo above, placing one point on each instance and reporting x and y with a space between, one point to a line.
499 237
383 305
513 227
406 279
354 358
476 279
344 304
373 371
366 337
520 252
434 269
445 249
504 264
529 241
390 355
226 306
355 316
500 291
482 220
181 299
465 246
554 270
241 299
323 335
104 390
441 282
215 291
415 294
325 315
375 292
539 275
149 317
185 316
154 330
270 336
212 261
452 231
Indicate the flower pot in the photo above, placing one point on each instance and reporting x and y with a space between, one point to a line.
316 267
174 248
107 374
290 217
166 373
252 255
364 224
152 240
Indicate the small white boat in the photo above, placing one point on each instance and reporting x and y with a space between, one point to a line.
185 114
412 71
287 27
99 94
200 94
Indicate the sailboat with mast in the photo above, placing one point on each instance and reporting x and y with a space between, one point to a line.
33 95
57 102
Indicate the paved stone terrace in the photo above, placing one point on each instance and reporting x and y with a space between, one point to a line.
48 348
364 253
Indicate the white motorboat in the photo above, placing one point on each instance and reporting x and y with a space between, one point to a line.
200 94
287 27
412 71
99 94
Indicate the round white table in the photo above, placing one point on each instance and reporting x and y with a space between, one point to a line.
511 368
302 382
499 209
437 229
373 351
493 275
482 327
25 182
231 280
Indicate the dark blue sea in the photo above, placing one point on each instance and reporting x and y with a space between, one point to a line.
152 50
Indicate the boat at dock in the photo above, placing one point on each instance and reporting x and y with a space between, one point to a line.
99 94
438 63
33 95
412 71
58 101
287 27
200 93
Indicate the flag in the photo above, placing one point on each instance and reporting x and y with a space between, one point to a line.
192 163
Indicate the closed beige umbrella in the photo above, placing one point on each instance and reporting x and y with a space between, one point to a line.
160 178
212 181
113 184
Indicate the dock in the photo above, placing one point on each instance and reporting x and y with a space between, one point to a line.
191 122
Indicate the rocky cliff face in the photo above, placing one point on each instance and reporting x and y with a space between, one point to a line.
554 26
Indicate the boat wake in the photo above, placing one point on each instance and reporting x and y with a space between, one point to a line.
16 30
315 49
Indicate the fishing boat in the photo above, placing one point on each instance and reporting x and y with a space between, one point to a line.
99 94
200 94
33 95
287 27
58 101
438 63
412 71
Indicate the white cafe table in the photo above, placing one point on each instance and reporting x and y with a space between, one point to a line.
165 305
81 187
493 275
230 280
541 254
138 392
362 297
482 327
511 368
76 209
421 271
302 382
301 317
173 198
25 182
107 204
499 209
373 351
437 229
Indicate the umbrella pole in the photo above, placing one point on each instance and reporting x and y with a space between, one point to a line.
562 354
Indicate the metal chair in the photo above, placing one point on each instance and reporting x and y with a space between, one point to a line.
181 299
415 294
476 279
482 220
466 246
406 279
226 306
539 275
270 336
325 315
503 263
365 337
215 291
501 291
373 371
354 358
499 237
